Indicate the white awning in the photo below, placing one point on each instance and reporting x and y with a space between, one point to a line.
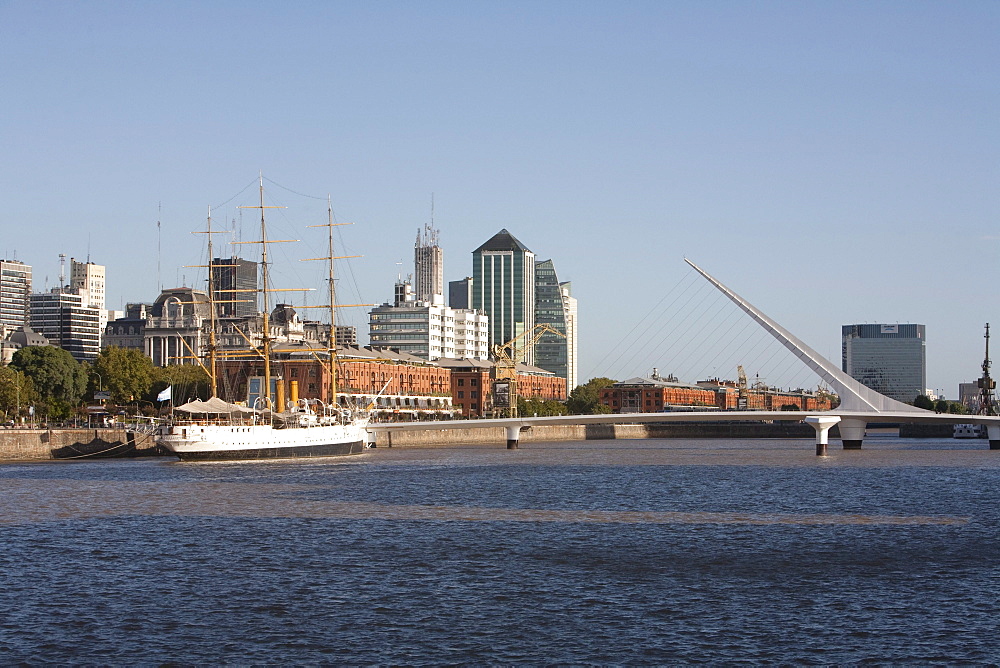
214 406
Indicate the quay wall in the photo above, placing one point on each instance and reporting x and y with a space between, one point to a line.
48 444
926 430
538 434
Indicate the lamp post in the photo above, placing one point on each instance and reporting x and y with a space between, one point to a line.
100 389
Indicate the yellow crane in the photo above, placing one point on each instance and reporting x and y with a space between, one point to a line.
506 357
743 394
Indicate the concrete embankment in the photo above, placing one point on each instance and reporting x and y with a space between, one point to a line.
46 444
926 430
497 435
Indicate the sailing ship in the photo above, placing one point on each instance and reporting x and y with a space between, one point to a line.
216 430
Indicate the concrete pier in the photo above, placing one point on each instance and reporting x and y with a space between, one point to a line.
822 424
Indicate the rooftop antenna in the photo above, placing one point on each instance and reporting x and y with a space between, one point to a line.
62 271
159 281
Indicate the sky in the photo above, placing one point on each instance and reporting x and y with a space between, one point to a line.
831 162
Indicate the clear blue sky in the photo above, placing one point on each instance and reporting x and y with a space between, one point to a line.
833 162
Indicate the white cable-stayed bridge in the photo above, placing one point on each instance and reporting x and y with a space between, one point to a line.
859 407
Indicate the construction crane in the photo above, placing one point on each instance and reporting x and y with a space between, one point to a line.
743 394
987 402
506 357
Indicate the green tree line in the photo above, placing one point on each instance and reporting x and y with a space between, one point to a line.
57 386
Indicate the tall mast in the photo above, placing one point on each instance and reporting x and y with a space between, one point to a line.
211 306
264 300
332 342
332 293
213 315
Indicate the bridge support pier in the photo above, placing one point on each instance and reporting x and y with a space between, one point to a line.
994 434
852 433
822 425
513 436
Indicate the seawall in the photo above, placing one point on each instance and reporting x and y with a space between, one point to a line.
50 444
497 435
47 444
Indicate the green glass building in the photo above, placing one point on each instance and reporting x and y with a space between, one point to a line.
503 280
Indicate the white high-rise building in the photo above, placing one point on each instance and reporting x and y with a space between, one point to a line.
428 330
15 293
569 307
87 280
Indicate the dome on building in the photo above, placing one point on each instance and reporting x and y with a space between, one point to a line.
26 336
176 302
283 314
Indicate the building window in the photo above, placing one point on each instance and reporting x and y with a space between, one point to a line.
461 394
475 382
474 394
461 382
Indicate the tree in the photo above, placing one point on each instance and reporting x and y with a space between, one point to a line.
124 372
58 377
189 382
941 406
529 407
17 392
923 401
586 399
958 408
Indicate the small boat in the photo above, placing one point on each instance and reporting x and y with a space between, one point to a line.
968 431
216 430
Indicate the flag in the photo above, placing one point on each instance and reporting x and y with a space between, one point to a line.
165 394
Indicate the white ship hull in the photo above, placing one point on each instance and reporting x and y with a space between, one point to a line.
968 431
221 442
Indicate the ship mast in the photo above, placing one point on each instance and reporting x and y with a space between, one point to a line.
265 303
212 314
264 289
332 294
213 322
332 339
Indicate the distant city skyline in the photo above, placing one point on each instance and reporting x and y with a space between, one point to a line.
834 162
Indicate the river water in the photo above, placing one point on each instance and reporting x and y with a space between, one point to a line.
610 552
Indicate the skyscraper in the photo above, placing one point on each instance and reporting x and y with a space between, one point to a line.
556 307
460 293
15 293
428 264
890 359
234 283
87 280
68 322
503 280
